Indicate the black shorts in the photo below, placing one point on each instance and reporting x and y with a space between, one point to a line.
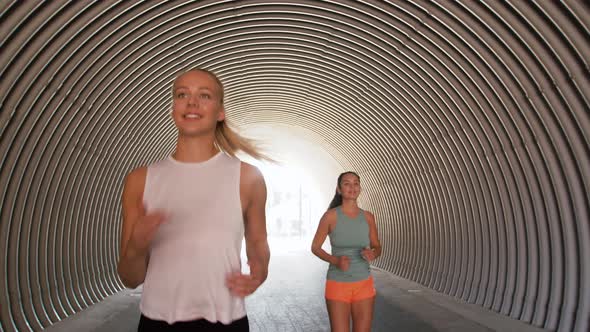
200 325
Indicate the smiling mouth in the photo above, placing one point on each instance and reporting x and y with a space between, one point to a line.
192 116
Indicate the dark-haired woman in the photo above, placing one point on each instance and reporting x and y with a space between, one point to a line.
350 292
184 219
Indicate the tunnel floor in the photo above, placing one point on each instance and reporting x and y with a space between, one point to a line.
292 300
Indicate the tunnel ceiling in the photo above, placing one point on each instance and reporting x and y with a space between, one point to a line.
467 120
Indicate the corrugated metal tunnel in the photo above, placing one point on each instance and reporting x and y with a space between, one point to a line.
468 122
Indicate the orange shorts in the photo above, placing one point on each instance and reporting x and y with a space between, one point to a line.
350 291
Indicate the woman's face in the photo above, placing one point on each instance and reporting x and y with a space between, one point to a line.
197 105
350 186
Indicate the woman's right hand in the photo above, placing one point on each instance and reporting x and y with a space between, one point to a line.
144 231
343 263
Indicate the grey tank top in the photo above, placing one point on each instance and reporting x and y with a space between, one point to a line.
348 238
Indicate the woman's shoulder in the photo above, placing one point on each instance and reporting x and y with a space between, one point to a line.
250 173
333 210
331 214
136 175
369 215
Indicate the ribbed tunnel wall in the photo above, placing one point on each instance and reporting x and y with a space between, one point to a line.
468 122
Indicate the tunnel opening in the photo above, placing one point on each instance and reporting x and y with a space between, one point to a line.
300 184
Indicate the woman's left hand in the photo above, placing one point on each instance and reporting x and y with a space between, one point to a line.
242 285
368 254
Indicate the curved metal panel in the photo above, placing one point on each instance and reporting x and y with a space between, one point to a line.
468 122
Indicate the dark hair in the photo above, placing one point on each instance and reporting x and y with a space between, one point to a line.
337 200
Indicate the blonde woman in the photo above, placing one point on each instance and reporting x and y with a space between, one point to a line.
184 219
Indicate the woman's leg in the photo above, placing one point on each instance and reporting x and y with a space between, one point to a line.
362 314
339 313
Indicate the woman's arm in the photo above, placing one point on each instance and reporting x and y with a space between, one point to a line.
375 249
137 231
326 224
257 248
318 240
253 188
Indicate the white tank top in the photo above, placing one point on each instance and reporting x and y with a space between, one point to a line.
199 245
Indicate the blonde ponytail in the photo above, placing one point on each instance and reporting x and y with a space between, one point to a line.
230 142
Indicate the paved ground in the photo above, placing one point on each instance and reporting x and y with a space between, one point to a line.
292 300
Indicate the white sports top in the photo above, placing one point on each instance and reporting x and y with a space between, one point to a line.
198 245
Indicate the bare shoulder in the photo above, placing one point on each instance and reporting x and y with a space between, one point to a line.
134 186
331 213
137 174
136 178
369 215
133 193
252 185
250 174
330 216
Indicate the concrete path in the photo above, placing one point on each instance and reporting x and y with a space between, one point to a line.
292 300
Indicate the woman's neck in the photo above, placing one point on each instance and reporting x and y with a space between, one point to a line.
195 149
349 205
